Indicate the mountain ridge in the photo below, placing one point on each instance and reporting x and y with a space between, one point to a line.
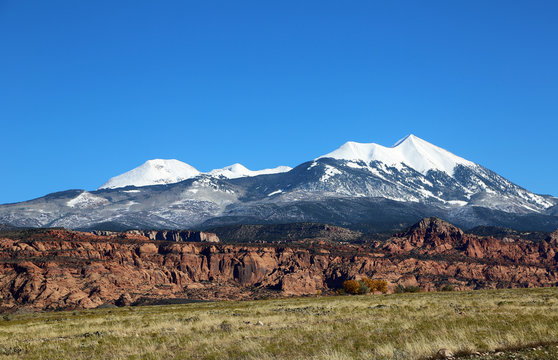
411 150
340 190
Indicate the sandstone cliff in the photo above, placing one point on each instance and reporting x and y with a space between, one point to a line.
60 269
167 235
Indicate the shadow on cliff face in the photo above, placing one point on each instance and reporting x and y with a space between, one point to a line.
335 280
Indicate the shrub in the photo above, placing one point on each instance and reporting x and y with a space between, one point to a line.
363 287
447 287
351 286
382 286
368 282
376 285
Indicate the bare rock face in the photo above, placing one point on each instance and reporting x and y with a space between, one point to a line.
178 235
433 233
60 269
301 283
164 235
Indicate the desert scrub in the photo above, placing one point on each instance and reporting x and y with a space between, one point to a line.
404 326
447 287
351 286
364 286
376 285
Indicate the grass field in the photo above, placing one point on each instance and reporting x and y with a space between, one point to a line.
399 326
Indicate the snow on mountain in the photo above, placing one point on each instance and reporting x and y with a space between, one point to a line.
238 170
355 184
86 200
153 172
159 171
412 151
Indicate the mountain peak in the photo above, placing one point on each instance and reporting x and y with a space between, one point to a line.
412 151
153 172
233 171
408 138
169 171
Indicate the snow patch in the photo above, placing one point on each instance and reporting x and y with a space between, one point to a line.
238 170
354 165
311 165
457 202
377 173
86 200
329 171
275 193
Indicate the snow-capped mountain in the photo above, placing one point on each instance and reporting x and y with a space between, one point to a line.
410 151
417 171
153 172
162 171
365 186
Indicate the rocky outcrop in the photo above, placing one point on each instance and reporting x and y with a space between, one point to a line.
431 233
60 269
433 236
178 235
166 235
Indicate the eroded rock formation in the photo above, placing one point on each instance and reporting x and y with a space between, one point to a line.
60 269
167 235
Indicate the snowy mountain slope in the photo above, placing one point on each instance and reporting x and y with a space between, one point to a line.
366 186
178 205
153 172
415 170
162 171
411 151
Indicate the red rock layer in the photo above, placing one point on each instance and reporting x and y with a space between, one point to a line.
59 269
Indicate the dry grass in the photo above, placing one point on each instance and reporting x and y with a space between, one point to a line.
399 326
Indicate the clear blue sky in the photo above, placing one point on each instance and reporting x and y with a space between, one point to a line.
91 89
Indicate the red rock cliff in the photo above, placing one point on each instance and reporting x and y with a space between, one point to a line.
58 269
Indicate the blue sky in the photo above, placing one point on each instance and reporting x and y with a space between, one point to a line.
91 89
